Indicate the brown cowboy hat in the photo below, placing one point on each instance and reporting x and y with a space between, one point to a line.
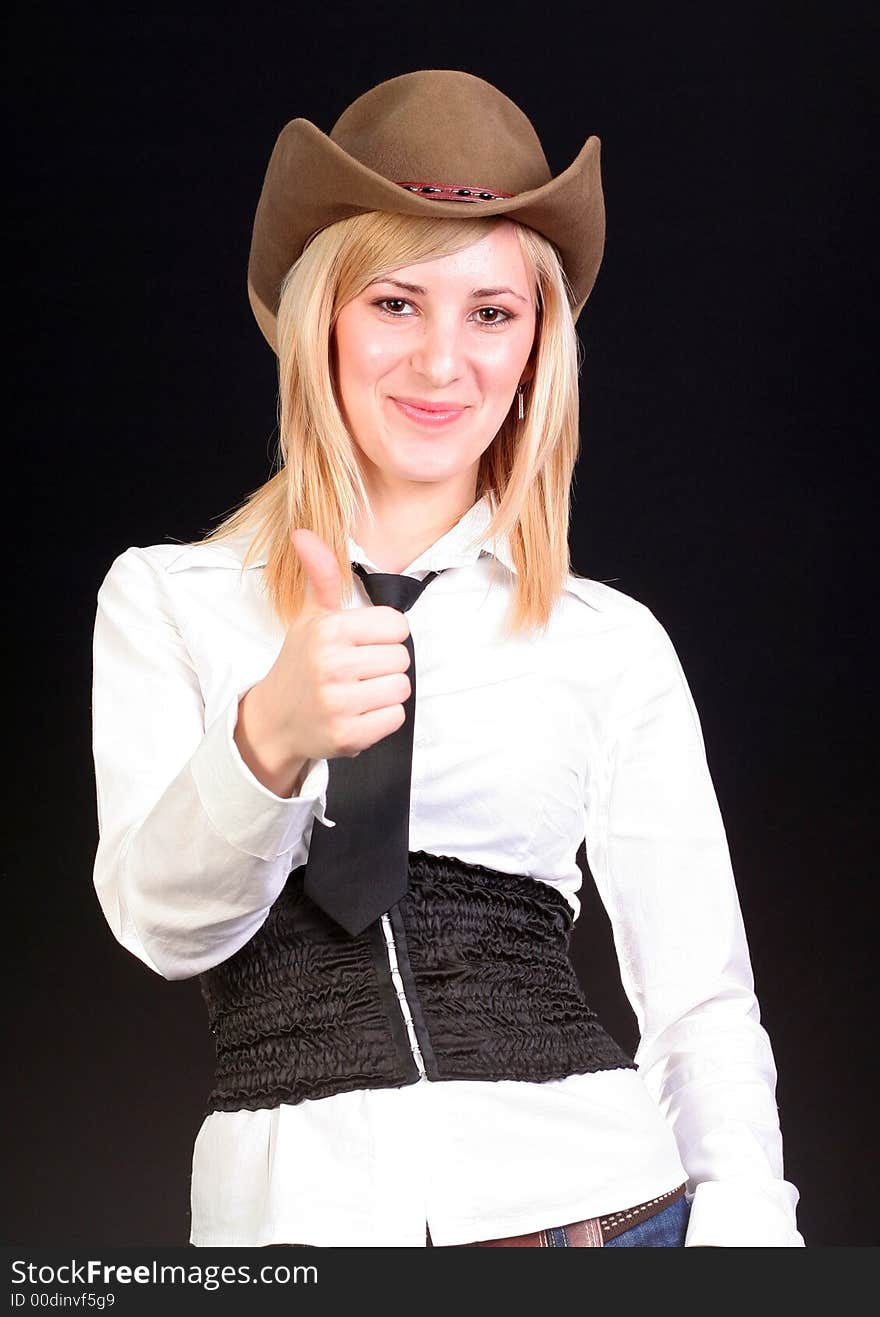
413 145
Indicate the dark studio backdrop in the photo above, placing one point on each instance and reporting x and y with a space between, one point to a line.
726 470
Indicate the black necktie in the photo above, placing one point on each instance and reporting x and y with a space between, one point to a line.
360 868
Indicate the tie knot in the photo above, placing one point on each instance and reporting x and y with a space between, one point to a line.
400 592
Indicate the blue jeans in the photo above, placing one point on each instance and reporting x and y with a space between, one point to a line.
665 1230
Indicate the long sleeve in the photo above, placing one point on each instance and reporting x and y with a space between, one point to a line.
193 849
658 851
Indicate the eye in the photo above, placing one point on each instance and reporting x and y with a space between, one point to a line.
496 311
385 304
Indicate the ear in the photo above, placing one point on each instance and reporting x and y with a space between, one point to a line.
530 367
527 375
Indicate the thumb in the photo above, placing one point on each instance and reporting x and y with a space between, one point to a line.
323 577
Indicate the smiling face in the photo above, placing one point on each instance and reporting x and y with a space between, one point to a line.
427 360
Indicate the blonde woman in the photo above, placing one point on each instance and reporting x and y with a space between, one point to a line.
372 872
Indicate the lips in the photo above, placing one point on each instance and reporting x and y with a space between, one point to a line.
429 413
422 405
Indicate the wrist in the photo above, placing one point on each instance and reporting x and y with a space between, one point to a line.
270 762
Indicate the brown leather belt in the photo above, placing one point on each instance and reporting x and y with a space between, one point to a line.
592 1233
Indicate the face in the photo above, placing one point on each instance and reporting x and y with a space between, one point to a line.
427 361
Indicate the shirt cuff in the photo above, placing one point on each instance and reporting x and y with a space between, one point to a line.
243 810
736 1214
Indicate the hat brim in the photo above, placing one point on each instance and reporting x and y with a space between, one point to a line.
312 182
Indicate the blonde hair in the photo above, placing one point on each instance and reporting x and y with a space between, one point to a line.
527 469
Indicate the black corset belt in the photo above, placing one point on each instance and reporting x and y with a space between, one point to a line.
303 1010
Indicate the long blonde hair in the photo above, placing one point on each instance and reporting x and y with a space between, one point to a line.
527 469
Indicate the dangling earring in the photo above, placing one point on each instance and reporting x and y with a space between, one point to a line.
520 405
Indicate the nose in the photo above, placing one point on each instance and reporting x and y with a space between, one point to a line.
437 355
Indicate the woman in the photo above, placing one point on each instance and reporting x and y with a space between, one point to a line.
376 882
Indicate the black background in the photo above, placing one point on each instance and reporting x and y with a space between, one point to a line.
726 480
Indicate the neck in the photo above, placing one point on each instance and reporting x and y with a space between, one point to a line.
402 529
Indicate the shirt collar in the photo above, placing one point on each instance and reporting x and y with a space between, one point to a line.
463 544
460 546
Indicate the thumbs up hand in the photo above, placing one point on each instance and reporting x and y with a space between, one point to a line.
339 683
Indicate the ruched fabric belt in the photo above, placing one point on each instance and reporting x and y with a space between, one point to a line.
303 1010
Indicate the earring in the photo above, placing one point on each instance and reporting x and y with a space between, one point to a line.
520 405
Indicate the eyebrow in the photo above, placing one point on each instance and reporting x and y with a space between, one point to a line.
422 292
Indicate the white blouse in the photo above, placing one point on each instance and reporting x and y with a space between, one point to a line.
522 749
